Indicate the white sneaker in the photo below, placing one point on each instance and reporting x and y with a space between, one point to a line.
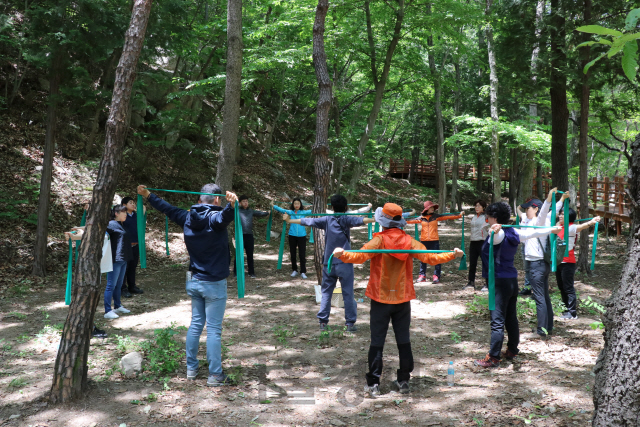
111 315
304 276
294 274
122 310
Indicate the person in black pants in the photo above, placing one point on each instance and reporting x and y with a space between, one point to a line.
129 287
246 218
478 235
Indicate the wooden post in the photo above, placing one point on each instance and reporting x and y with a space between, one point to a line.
605 199
620 197
594 194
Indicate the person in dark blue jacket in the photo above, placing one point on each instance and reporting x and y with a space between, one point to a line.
130 224
206 238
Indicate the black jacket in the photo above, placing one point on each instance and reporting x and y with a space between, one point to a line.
120 242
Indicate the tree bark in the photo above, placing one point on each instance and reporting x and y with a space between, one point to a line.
321 145
44 200
379 84
615 394
454 169
558 95
231 109
583 146
493 90
479 167
539 180
70 372
415 156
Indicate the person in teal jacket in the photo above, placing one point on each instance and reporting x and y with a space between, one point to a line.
297 236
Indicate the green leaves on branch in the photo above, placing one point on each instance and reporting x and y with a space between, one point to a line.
627 43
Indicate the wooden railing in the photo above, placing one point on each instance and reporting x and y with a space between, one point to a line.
428 170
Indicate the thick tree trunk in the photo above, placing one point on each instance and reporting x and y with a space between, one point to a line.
441 176
539 190
493 91
70 372
615 394
526 177
44 200
558 95
321 146
514 176
231 109
454 169
379 84
415 156
583 146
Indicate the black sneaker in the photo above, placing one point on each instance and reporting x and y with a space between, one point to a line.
372 391
98 333
525 291
136 290
402 386
351 328
125 293
470 285
219 380
568 316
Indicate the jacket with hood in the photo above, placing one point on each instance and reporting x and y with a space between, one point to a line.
205 235
391 278
429 231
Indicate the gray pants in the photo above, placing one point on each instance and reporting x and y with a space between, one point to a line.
539 279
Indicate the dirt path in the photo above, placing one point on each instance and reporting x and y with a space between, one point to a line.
287 374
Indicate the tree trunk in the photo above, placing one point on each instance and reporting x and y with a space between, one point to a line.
272 127
415 156
583 146
231 109
321 146
539 181
379 84
493 90
558 95
513 177
441 176
526 177
615 394
479 169
454 168
70 372
44 200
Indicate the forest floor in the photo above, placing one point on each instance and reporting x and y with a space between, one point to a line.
287 374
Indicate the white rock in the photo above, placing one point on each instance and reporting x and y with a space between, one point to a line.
146 409
527 405
131 364
14 416
337 422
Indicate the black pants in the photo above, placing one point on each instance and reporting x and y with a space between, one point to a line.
564 276
475 248
539 279
400 317
301 244
505 317
249 244
431 245
130 275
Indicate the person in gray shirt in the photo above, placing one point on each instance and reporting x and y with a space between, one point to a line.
246 218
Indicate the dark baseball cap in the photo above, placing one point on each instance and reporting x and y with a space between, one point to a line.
531 202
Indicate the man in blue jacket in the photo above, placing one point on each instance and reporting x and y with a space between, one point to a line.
205 235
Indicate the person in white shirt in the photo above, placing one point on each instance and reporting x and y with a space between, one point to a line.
479 229
526 288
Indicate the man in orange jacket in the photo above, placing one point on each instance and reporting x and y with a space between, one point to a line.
429 236
391 291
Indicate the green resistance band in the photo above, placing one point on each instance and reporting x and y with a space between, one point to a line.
166 233
338 214
67 294
388 251
376 228
463 260
353 204
583 220
553 237
281 250
492 275
311 235
239 250
269 224
370 227
417 234
517 219
593 249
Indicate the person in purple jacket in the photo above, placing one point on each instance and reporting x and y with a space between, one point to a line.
206 238
505 245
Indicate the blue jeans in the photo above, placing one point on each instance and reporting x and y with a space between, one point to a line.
208 302
344 272
114 285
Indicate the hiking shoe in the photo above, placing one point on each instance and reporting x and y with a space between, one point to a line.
402 386
323 326
487 362
470 285
509 355
534 336
125 293
253 276
484 289
122 310
304 276
111 315
372 391
525 291
568 316
422 278
136 290
98 333
294 274
435 279
352 328
219 380
191 375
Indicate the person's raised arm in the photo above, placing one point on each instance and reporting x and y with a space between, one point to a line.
586 225
177 215
532 233
260 214
220 219
281 210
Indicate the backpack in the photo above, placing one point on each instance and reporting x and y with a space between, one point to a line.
546 250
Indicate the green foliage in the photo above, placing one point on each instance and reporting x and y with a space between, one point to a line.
162 351
18 382
455 337
592 307
326 336
281 333
125 344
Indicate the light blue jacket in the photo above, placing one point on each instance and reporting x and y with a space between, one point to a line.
296 230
